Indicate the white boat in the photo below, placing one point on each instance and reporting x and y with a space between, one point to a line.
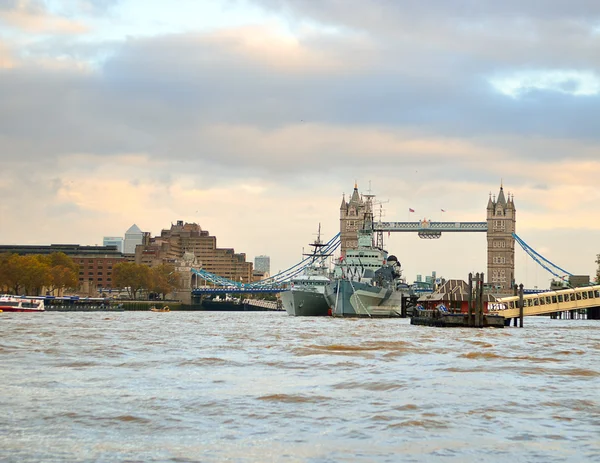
10 303
306 296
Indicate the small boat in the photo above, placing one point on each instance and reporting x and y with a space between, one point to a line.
10 303
163 309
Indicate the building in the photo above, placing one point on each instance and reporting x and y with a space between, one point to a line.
95 262
182 237
133 237
262 264
352 217
501 223
113 241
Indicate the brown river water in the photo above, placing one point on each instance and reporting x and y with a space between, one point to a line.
266 387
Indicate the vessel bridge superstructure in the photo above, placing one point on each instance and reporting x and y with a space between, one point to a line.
549 302
208 283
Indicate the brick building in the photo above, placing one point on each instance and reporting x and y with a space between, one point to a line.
95 262
189 237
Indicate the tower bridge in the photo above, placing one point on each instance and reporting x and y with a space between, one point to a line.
500 227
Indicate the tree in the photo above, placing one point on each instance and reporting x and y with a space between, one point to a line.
29 274
36 274
14 272
132 276
64 272
5 271
164 279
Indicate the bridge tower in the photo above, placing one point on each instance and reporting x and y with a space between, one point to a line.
352 216
501 221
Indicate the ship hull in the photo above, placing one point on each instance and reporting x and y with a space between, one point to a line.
19 309
354 299
300 303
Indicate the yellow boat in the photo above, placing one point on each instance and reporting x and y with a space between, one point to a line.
164 309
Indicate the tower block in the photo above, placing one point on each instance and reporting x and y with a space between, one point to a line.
501 221
352 217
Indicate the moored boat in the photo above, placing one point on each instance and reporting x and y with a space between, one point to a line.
440 316
306 296
10 303
367 282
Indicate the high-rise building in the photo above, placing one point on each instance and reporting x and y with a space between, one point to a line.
113 241
133 237
262 264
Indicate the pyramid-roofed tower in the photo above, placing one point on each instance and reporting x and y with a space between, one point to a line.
133 236
134 229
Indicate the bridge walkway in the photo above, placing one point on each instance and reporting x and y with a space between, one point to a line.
550 302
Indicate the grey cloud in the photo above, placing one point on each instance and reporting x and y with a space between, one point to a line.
160 95
350 11
519 33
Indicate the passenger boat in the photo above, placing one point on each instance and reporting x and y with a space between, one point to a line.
10 303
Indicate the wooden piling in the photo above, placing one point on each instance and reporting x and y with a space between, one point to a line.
471 319
521 303
479 298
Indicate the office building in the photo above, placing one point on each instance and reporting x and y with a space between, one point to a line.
113 241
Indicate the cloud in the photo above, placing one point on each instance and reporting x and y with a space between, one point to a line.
33 17
7 60
262 129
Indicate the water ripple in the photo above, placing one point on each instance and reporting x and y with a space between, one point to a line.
254 387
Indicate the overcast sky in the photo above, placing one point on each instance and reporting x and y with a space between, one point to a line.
253 117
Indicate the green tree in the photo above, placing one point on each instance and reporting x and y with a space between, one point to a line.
132 276
164 279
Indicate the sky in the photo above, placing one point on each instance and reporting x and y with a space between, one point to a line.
254 117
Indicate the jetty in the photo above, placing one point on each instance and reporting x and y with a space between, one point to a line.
457 304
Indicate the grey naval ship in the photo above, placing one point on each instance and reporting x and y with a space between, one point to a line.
367 282
306 296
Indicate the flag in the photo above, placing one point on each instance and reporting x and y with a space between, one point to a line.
411 210
442 210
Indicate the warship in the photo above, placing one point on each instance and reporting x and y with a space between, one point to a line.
306 294
367 282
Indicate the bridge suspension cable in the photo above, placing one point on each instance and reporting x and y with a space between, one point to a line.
279 278
554 269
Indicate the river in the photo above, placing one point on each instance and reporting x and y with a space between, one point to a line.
266 387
